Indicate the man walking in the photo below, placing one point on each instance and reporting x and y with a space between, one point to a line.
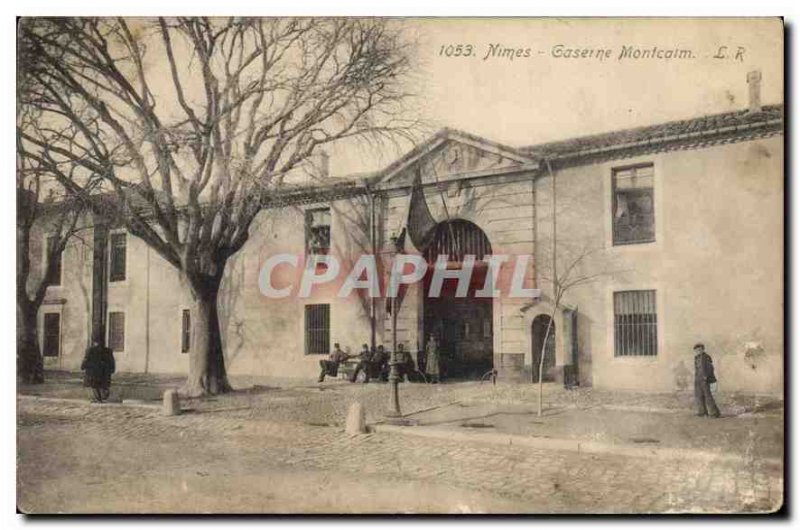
98 365
703 377
331 365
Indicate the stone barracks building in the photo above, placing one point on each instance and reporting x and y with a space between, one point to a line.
673 231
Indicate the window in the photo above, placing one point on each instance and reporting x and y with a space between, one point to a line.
116 331
186 331
117 243
318 328
633 207
318 231
52 335
635 323
54 277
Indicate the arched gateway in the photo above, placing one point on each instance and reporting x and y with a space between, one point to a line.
463 326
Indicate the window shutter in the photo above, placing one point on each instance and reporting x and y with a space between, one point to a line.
52 335
54 277
186 331
116 331
118 257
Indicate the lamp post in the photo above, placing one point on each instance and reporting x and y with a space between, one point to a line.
393 414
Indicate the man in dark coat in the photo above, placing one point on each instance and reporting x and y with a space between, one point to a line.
98 365
703 377
330 366
364 360
380 363
405 362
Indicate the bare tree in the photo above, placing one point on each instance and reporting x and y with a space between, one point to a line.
44 214
200 119
58 222
563 283
570 267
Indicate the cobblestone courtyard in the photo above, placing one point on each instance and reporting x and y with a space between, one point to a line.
246 454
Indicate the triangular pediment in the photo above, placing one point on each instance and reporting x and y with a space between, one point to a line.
450 155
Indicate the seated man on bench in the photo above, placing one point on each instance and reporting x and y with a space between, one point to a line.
364 364
405 363
380 364
330 366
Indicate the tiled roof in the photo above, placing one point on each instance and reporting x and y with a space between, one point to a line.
697 131
341 188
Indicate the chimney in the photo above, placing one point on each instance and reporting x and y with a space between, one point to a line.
320 165
754 82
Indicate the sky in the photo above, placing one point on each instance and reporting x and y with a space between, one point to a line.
518 81
541 97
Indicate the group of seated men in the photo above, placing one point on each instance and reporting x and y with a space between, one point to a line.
372 362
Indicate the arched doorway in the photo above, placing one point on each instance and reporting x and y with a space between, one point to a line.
538 332
463 326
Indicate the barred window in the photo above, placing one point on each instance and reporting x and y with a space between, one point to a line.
118 245
318 328
632 208
635 323
54 276
186 331
116 331
52 335
318 231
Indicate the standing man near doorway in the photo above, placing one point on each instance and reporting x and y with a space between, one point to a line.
432 360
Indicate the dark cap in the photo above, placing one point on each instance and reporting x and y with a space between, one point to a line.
699 345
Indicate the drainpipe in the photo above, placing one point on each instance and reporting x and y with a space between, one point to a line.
147 311
534 230
372 245
556 283
99 280
555 272
535 245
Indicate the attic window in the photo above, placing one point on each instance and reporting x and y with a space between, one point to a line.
318 231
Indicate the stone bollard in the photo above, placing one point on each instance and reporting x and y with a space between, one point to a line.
356 420
172 405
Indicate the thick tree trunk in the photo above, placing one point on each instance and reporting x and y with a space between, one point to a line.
30 365
207 373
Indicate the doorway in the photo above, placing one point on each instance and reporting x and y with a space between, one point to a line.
538 332
463 326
